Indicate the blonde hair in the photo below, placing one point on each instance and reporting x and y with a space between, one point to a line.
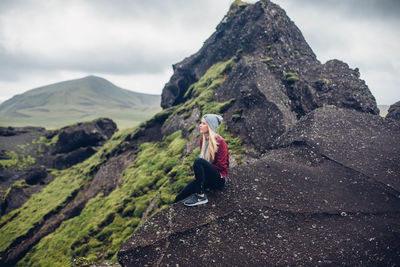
212 145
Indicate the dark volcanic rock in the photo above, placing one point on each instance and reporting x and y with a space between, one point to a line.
394 112
18 194
35 175
77 143
11 131
304 203
84 135
366 143
63 161
264 32
325 188
261 104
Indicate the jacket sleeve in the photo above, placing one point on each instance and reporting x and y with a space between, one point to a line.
221 161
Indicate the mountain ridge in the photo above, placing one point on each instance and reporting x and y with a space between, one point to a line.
81 99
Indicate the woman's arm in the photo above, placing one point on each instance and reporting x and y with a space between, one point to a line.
221 161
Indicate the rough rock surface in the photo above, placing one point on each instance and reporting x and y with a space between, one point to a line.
316 199
323 184
394 112
35 178
76 143
265 32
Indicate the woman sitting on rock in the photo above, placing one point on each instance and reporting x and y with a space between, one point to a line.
211 167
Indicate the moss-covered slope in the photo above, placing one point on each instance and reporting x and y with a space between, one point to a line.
73 221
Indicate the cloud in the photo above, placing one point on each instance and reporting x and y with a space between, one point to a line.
134 43
358 8
109 36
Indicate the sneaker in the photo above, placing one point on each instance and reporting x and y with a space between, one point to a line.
196 200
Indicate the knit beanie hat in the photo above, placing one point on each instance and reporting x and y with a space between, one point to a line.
213 120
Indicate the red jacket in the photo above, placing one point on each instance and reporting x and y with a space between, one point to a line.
221 160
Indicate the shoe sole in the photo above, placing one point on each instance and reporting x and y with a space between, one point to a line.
197 203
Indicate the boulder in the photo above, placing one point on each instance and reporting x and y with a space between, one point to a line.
394 112
66 160
327 194
18 193
35 175
83 135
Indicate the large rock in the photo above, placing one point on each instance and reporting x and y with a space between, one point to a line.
19 193
263 32
318 198
84 135
276 80
394 112
77 143
325 186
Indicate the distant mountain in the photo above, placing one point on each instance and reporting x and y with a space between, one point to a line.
83 99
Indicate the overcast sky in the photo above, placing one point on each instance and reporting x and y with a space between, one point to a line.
134 43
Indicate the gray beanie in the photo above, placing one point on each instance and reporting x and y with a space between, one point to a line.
213 120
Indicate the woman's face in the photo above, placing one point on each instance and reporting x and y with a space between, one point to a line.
203 126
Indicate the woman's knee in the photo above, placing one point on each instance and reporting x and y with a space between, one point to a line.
199 161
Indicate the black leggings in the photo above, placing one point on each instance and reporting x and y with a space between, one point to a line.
206 176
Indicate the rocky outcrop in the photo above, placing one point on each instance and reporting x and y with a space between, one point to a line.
327 194
394 112
72 145
321 183
276 74
263 32
33 179
76 143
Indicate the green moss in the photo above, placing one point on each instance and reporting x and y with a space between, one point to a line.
214 76
56 195
266 59
201 93
107 221
160 170
237 115
16 161
291 77
236 6
46 141
234 143
191 128
325 81
17 184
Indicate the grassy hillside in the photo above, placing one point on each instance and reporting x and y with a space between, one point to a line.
60 104
158 172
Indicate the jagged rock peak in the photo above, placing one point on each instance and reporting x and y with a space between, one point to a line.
264 32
